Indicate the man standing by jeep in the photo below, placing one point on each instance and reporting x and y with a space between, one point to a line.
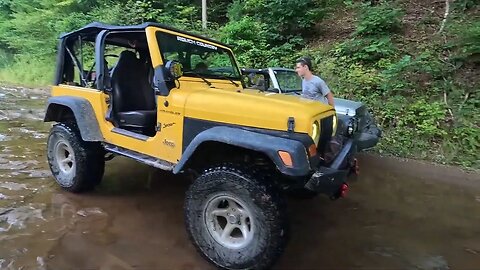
313 87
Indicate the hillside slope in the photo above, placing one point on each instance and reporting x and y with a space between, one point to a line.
421 79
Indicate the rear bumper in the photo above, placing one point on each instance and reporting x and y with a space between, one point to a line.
329 180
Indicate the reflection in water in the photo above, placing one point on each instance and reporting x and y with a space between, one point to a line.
18 216
13 186
399 215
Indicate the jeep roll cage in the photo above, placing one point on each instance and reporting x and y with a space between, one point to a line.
101 34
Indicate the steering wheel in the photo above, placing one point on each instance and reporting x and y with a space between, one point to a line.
90 70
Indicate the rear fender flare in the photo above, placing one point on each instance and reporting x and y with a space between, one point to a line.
83 112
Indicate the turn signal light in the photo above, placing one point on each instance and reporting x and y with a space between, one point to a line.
286 158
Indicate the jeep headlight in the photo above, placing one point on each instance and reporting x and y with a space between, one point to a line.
315 132
334 125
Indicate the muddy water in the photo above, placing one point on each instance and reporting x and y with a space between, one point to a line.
399 215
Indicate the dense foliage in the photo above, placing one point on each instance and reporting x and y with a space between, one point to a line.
420 79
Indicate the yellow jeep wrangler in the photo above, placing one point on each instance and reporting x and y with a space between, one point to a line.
175 101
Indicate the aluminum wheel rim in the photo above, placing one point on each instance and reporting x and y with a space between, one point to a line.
229 221
64 157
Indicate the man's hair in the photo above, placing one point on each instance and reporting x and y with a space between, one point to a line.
306 61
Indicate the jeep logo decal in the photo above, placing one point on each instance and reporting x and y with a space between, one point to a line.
169 143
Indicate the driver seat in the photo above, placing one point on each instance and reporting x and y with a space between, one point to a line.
134 106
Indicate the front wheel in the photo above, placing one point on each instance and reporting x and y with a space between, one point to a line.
236 220
75 164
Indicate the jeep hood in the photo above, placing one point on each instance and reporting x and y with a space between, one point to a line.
254 108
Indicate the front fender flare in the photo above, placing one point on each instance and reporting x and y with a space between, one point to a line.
264 143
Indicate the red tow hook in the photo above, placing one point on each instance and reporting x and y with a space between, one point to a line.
341 193
344 190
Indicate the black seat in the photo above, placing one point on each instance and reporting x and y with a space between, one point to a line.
134 106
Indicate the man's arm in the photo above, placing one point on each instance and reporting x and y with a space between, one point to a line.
330 99
326 92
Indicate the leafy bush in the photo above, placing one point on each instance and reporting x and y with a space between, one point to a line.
247 37
378 20
425 116
468 42
286 19
465 4
5 58
367 50
410 73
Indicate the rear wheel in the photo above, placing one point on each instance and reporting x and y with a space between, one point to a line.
75 164
236 220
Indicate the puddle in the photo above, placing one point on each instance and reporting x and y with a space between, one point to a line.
433 263
37 173
17 164
34 134
12 186
17 217
91 212
3 137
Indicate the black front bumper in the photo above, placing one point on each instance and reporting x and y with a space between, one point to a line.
329 180
368 137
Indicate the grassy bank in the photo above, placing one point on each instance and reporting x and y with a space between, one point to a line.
27 71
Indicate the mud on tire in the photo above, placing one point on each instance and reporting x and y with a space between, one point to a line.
235 219
76 165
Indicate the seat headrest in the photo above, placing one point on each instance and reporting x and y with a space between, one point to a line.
127 56
127 60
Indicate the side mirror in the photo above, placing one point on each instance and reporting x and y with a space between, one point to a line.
174 69
165 76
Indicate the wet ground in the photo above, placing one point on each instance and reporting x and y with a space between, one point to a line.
399 214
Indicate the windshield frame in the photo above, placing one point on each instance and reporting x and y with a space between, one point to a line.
237 75
276 71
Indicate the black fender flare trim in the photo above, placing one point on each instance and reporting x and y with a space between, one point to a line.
83 112
264 143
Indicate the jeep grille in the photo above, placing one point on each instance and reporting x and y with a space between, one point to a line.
326 129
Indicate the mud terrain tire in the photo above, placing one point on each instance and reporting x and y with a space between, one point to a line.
248 203
76 165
